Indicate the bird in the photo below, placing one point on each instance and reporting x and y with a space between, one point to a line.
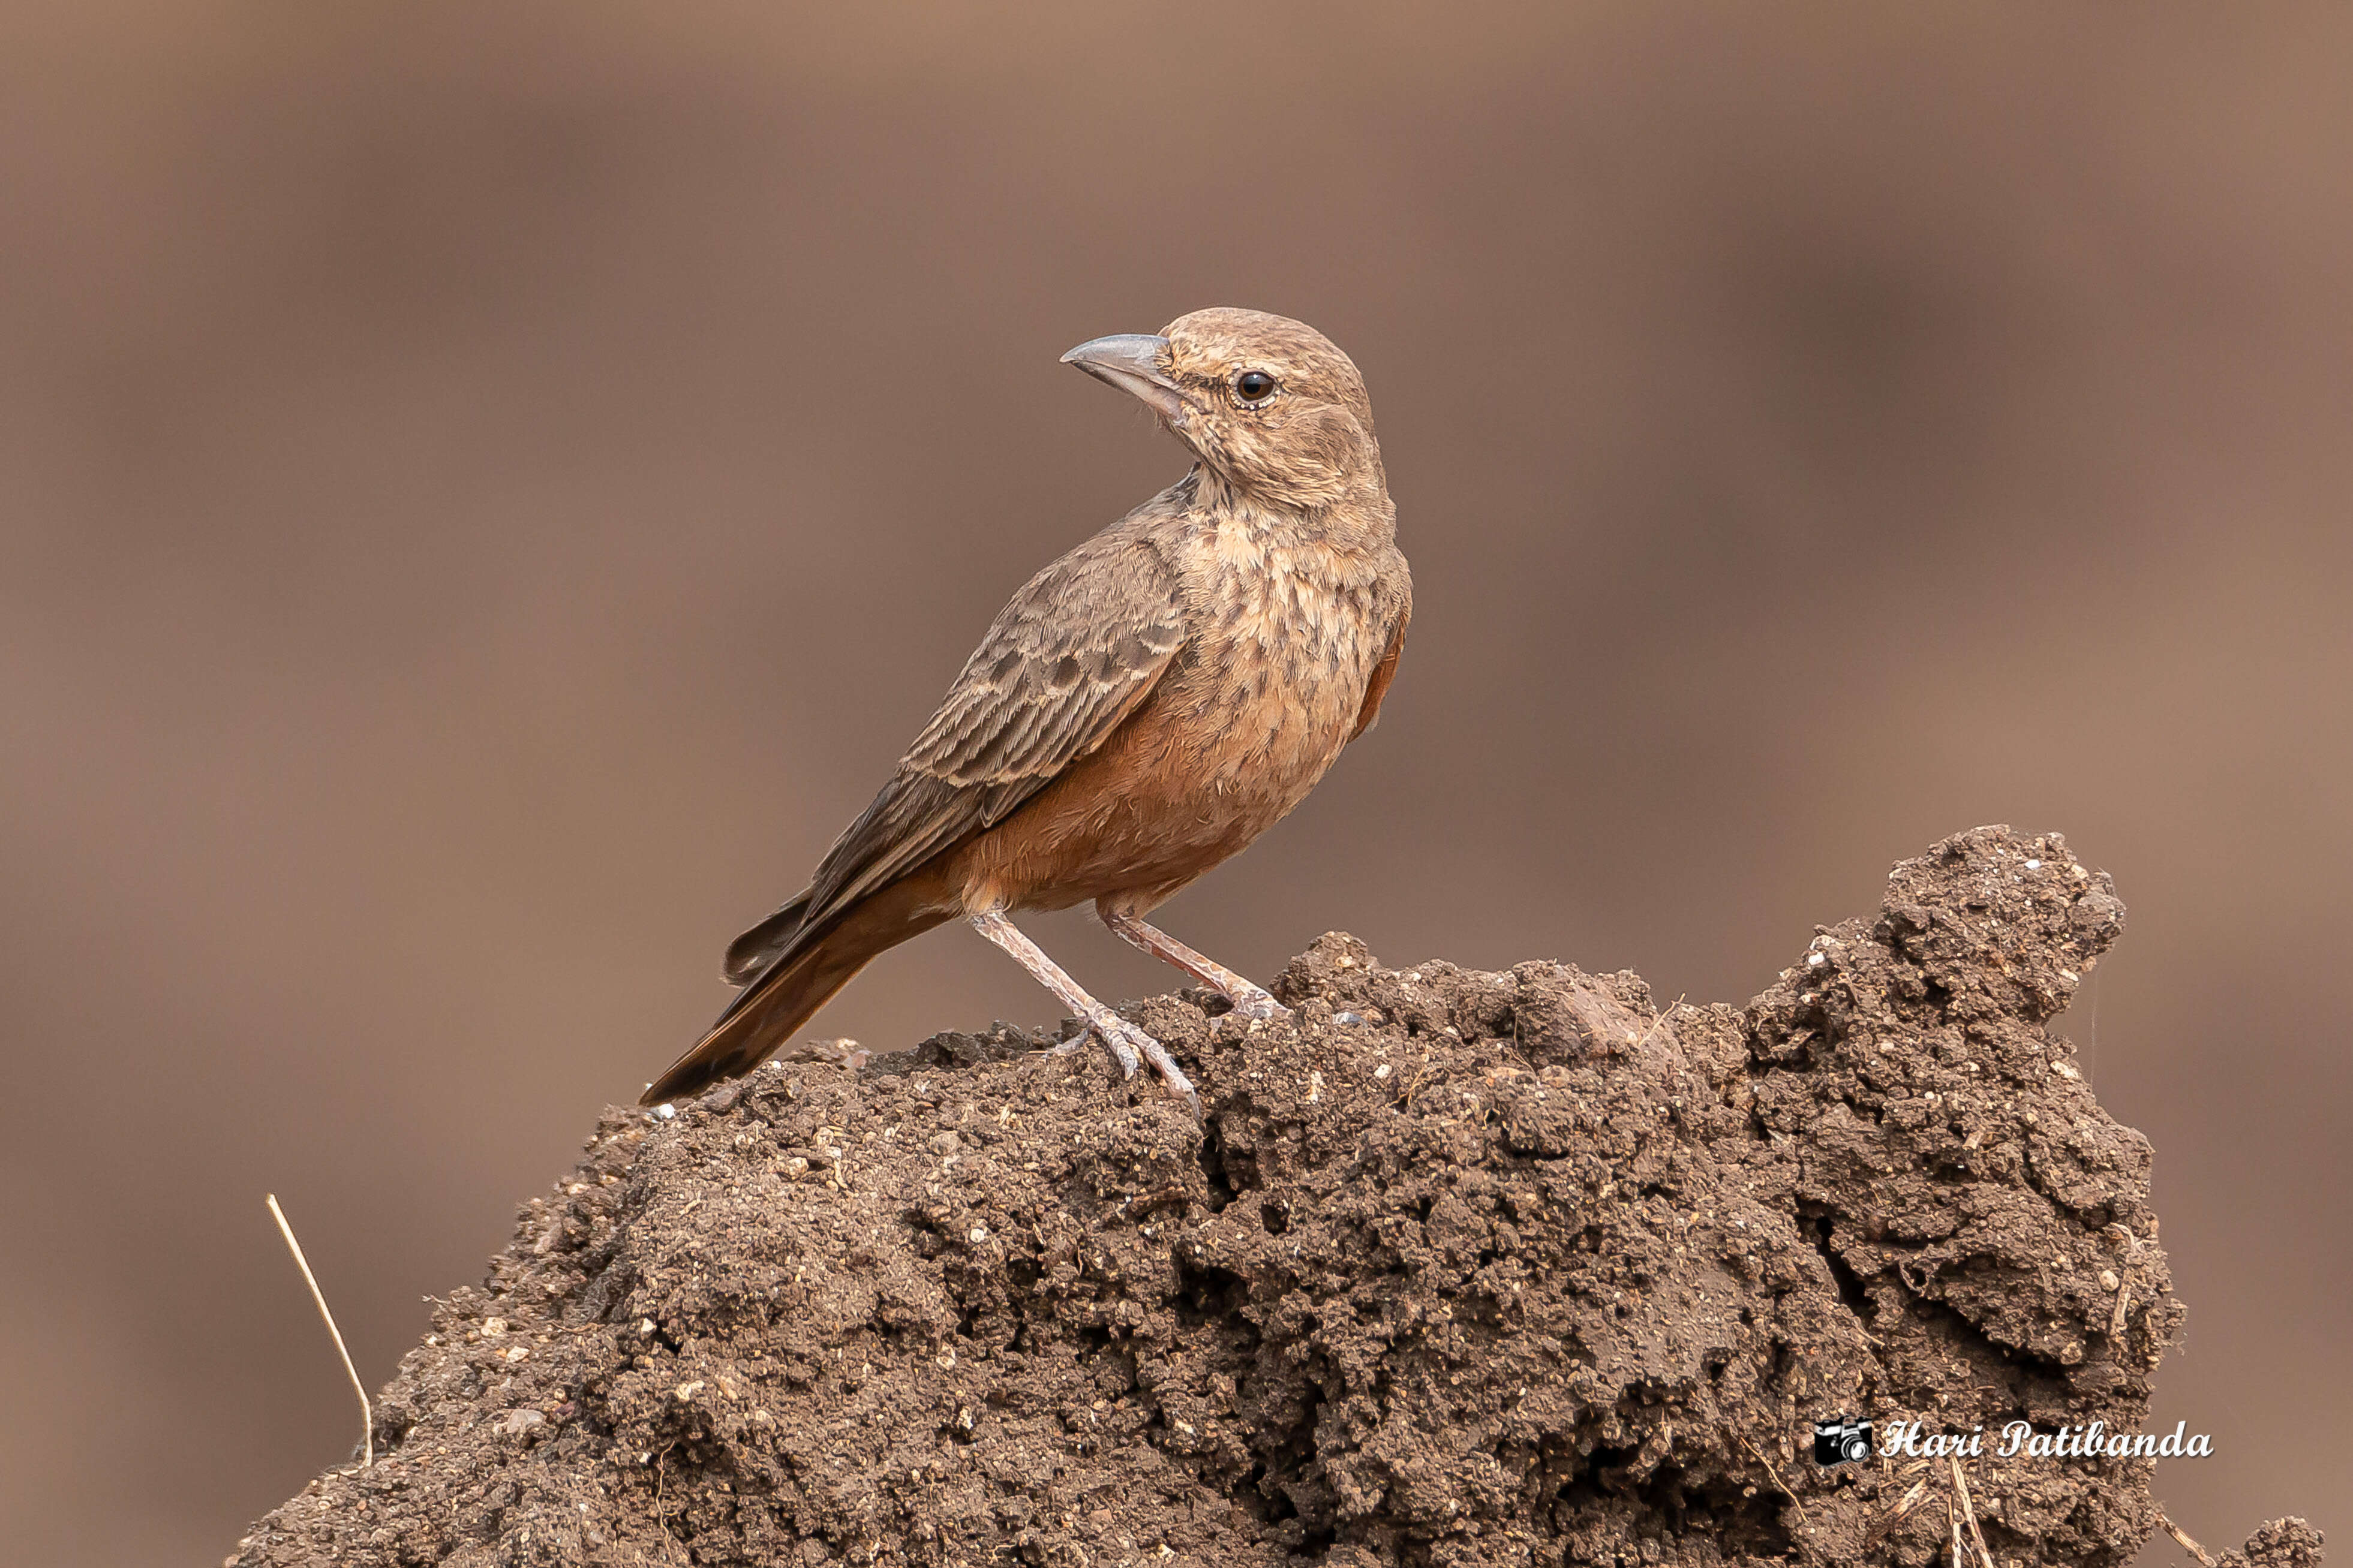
1140 710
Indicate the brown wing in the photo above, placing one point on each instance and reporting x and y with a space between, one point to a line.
1073 654
1383 673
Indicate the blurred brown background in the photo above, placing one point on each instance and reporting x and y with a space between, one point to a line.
486 490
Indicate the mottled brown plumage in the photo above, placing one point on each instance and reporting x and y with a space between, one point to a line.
1143 709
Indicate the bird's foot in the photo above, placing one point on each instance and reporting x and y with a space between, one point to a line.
1248 1000
1134 1047
1128 1043
1113 1031
1251 1002
1165 1065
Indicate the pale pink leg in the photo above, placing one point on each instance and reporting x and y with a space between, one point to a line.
1248 1000
1126 1040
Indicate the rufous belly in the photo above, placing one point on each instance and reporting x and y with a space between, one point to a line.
1202 767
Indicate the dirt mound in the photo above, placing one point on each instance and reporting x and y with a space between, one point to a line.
1460 1268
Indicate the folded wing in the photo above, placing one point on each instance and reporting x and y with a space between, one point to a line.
1066 661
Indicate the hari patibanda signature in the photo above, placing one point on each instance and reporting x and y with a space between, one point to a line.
1907 1440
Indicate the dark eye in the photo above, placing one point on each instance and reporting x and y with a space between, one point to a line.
1254 386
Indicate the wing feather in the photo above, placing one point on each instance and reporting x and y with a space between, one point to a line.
1063 664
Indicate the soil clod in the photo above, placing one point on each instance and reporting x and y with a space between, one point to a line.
1457 1268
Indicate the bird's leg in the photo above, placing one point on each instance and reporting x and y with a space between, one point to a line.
1126 1040
1248 1000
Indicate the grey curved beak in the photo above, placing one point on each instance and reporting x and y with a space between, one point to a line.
1131 361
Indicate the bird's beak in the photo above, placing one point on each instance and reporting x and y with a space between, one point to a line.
1131 361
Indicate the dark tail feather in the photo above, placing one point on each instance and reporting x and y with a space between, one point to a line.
790 993
756 947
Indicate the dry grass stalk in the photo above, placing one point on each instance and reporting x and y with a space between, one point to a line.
367 1413
1910 1500
1968 1512
2191 1547
1769 1470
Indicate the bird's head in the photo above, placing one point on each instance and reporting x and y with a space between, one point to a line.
1271 405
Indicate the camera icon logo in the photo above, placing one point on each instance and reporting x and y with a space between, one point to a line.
1843 1440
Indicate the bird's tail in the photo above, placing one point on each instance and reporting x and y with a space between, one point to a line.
801 979
759 947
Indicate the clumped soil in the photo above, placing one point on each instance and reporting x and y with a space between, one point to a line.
1458 1268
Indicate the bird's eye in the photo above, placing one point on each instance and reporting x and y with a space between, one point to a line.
1254 386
